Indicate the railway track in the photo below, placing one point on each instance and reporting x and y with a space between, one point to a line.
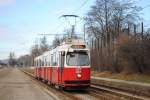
60 94
96 92
123 94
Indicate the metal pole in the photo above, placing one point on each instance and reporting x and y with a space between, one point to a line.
142 30
84 32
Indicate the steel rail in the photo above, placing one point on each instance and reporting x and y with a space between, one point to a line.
118 92
96 90
51 90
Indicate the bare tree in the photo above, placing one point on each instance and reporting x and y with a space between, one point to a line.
25 60
35 50
12 60
56 41
105 22
43 45
38 49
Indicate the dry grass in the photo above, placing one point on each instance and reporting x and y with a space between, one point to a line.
29 70
129 77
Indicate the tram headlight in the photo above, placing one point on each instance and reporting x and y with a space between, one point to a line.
79 75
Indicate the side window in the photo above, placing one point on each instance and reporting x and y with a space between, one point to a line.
34 63
51 59
42 61
54 60
38 63
61 59
45 62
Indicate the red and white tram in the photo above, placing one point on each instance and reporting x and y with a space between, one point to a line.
67 65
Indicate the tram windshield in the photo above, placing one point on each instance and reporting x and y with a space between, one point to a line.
77 59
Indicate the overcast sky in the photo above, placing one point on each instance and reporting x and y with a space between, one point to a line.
22 20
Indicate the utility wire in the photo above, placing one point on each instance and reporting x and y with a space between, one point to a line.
58 27
61 24
82 5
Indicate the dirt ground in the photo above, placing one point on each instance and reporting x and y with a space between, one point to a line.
15 85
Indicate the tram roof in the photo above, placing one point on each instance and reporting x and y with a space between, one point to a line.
64 47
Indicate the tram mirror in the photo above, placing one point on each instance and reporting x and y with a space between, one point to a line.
72 55
70 50
63 53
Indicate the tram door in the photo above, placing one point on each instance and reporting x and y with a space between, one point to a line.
61 64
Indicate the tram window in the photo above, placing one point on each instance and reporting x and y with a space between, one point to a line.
42 63
45 63
62 59
37 63
51 60
77 59
63 53
54 60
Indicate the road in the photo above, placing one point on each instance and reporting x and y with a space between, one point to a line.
15 85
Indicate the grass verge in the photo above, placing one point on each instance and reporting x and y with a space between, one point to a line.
121 76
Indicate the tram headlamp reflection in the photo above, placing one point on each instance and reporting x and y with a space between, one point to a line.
79 75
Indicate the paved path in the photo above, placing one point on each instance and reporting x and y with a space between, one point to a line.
122 81
15 85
